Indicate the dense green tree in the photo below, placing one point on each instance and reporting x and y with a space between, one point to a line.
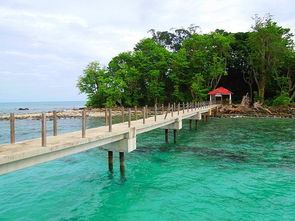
124 67
181 65
268 43
152 61
203 63
238 66
285 77
91 83
173 40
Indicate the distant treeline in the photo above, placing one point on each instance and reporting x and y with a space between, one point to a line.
183 65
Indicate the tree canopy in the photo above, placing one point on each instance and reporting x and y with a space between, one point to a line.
182 65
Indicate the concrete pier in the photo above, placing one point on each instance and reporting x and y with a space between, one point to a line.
112 138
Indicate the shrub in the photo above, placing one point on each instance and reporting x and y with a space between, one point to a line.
282 100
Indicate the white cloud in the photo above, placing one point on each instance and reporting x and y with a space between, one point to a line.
52 41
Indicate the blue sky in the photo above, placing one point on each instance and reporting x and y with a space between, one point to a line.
46 44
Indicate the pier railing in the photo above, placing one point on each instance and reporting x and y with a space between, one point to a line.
134 112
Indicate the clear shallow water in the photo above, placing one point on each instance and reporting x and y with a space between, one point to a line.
230 169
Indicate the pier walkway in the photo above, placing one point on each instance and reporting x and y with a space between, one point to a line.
121 138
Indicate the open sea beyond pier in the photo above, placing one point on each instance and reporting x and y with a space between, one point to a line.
228 169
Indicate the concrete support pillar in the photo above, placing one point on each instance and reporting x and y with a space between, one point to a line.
110 157
122 162
175 135
166 135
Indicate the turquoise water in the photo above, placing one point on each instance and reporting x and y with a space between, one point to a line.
230 169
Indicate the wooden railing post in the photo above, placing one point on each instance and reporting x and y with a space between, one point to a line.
110 120
123 117
183 107
135 110
143 115
129 117
146 111
83 124
54 115
12 128
172 110
43 129
106 117
178 109
155 112
163 110
174 107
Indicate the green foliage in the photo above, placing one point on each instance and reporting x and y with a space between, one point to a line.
282 100
268 45
182 65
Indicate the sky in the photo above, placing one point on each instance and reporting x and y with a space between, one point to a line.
46 44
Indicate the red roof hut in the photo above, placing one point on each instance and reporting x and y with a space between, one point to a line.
219 92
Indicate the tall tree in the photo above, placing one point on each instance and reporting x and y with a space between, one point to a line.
91 83
268 43
285 77
173 40
152 61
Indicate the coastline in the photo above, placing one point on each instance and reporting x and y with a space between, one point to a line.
227 111
71 113
238 111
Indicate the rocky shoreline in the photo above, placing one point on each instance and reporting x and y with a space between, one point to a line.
230 111
238 111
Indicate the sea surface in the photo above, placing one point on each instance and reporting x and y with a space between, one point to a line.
228 169
38 107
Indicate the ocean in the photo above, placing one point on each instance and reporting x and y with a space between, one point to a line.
228 169
38 107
